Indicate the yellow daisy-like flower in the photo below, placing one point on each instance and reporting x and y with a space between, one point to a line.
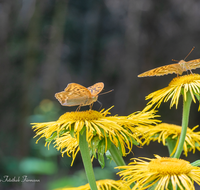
120 130
163 131
106 184
161 172
187 83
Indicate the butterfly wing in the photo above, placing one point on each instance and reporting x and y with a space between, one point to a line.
193 64
164 70
77 90
96 88
74 94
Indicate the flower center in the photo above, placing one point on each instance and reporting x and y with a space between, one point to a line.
81 116
170 166
186 79
170 127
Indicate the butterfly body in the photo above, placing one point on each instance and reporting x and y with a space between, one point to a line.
177 68
76 94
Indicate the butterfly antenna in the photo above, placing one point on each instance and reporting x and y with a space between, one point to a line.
189 52
175 60
107 92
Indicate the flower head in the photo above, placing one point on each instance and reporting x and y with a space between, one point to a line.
161 170
183 84
99 127
106 184
163 131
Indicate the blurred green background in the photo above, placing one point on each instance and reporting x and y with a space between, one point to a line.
46 44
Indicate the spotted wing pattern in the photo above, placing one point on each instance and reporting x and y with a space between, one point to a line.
164 70
96 88
75 90
74 94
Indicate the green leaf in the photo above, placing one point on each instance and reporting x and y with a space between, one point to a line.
101 151
101 160
152 187
131 139
62 132
94 145
197 96
51 137
109 156
196 163
98 148
196 144
72 132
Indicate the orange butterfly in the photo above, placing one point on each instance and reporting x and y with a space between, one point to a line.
76 94
177 68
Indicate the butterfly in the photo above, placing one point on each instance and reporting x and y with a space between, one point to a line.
177 68
75 94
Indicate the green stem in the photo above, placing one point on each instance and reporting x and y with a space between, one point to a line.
185 121
116 155
85 154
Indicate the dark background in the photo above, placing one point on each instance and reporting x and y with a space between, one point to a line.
44 45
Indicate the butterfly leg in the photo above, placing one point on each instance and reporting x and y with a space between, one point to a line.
191 71
100 104
188 69
91 106
78 108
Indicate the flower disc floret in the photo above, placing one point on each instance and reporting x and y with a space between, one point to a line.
169 166
81 116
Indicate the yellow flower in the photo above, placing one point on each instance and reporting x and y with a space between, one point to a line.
119 130
106 184
161 172
163 131
187 83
